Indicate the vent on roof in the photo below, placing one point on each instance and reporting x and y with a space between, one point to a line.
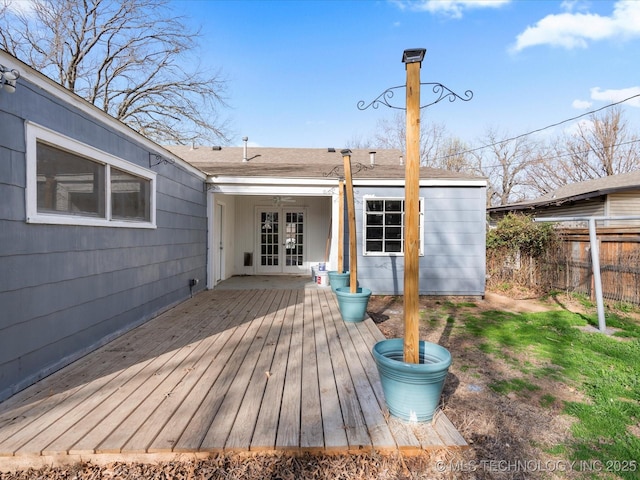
244 151
372 158
401 160
216 147
331 150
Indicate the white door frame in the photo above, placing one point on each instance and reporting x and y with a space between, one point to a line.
275 242
219 246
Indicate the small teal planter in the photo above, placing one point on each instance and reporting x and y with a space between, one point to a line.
338 279
412 391
353 306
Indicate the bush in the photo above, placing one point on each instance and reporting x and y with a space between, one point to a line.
519 233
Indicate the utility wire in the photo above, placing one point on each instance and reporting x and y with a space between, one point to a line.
538 130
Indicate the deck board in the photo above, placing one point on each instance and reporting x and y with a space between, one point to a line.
311 429
265 433
226 371
288 435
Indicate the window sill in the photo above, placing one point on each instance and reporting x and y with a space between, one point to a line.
88 222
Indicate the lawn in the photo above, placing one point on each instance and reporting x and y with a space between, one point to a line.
559 345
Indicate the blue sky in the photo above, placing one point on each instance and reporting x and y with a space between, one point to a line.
297 69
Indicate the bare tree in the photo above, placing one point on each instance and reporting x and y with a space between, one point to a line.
598 148
505 163
127 57
437 148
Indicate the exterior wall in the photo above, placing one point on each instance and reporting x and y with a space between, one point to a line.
317 223
623 204
584 208
454 244
64 289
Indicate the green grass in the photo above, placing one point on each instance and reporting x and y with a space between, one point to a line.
606 370
517 385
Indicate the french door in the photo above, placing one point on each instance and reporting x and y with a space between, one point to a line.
281 242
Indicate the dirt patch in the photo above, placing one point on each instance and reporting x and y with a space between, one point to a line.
513 430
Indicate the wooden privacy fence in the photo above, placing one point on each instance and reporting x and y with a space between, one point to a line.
567 265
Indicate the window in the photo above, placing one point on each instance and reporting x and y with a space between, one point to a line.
69 182
384 226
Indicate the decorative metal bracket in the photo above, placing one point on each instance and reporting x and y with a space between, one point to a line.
357 167
438 89
158 159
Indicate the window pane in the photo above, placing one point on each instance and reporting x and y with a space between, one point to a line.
374 233
374 246
130 196
393 205
375 205
393 246
374 219
69 184
393 219
393 233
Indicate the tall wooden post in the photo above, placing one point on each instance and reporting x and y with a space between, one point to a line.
351 214
411 218
341 226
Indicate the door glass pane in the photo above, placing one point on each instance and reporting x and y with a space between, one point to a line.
293 231
269 238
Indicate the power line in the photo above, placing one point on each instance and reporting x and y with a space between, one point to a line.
538 130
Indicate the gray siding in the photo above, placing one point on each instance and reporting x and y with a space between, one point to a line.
623 204
454 244
65 290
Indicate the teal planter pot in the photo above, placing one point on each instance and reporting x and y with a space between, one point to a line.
353 306
412 391
338 279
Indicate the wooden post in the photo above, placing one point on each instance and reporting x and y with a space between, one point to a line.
341 226
411 218
351 213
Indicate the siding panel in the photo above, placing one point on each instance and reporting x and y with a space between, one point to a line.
65 290
454 244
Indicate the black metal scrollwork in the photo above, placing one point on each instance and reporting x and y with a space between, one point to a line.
157 159
356 167
438 89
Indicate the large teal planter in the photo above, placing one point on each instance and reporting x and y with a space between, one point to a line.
338 279
353 306
412 391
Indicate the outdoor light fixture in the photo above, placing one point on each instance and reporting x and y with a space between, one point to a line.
8 77
413 55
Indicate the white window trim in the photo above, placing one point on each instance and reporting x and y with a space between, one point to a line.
35 133
364 227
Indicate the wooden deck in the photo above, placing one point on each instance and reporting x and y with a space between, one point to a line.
226 371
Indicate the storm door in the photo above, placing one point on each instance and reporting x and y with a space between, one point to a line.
280 246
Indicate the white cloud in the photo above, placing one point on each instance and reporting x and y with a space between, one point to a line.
613 96
21 7
583 124
575 30
450 8
581 104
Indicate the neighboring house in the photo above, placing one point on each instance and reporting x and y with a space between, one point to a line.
102 229
612 196
276 211
96 236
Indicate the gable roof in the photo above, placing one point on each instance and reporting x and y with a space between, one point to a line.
302 163
579 191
